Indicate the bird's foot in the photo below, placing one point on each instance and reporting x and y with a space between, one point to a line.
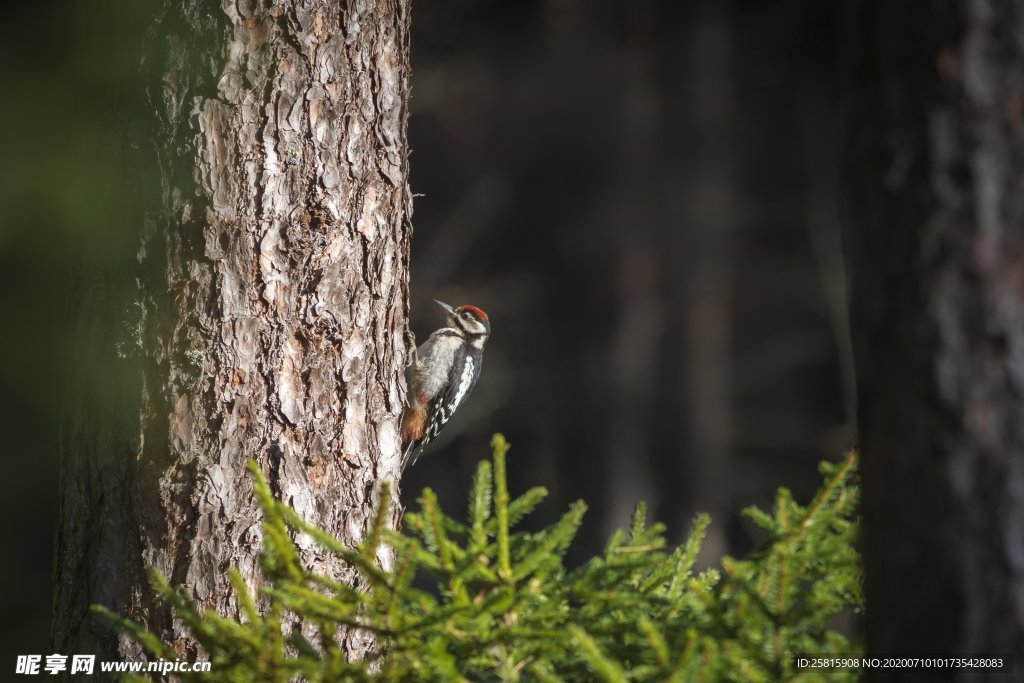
410 348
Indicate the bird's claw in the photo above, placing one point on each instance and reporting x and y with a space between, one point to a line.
410 348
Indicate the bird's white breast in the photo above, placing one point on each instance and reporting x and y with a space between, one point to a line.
436 365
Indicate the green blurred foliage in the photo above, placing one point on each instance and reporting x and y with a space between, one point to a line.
75 183
504 607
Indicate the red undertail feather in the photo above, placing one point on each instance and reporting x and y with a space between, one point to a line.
414 422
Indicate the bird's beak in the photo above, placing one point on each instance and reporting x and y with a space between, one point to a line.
445 307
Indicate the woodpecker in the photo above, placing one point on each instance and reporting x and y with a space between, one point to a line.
443 371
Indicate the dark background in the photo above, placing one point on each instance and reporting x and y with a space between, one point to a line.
641 195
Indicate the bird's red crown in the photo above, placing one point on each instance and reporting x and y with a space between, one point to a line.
474 310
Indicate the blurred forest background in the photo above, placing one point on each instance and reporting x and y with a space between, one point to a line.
641 193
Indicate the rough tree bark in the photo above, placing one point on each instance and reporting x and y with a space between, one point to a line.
935 147
274 301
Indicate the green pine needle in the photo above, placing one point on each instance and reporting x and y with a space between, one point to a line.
482 600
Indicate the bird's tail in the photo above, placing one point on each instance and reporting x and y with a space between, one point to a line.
410 453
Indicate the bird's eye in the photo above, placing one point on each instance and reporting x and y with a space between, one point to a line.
465 315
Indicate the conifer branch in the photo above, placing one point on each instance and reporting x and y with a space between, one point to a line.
504 607
500 447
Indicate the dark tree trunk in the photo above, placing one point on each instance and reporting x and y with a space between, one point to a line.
935 147
274 300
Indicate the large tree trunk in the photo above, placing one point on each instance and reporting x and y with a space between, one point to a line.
274 301
936 151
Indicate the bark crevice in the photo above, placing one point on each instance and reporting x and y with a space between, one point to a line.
274 284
